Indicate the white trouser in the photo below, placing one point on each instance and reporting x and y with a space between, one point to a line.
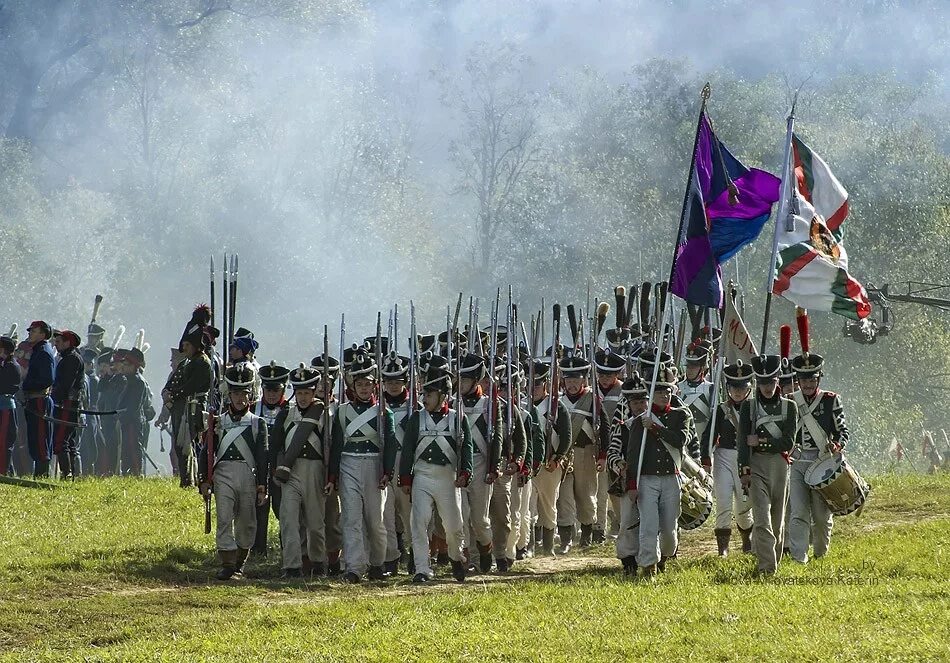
517 513
603 483
479 498
547 485
235 503
767 493
303 501
658 500
397 508
361 509
728 491
811 517
628 540
577 499
433 487
499 509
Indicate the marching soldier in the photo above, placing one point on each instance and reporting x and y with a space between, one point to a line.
821 429
766 434
513 449
243 347
238 477
136 409
696 390
722 457
516 547
577 498
37 405
557 444
90 437
273 387
111 389
361 466
186 394
435 466
331 521
68 393
477 407
632 407
9 386
610 367
302 474
657 492
398 509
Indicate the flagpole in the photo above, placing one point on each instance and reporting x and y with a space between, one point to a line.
704 95
779 217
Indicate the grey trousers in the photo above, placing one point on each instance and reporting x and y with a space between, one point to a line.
547 485
810 515
303 501
603 483
499 511
628 540
235 503
577 499
433 490
658 500
767 492
520 517
728 491
396 514
361 509
479 499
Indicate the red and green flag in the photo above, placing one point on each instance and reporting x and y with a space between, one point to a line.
812 265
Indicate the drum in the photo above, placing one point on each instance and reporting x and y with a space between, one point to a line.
842 488
696 497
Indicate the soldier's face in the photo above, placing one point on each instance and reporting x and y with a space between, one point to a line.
364 388
787 386
272 395
662 396
693 372
394 387
539 391
36 334
432 400
304 398
467 385
607 380
808 385
767 387
236 353
573 385
240 400
738 394
638 406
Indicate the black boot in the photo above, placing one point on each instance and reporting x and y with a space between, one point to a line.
586 531
722 540
351 578
537 539
411 565
65 466
746 535
290 574
318 569
547 542
458 571
334 568
566 535
239 561
598 536
391 568
521 553
376 573
502 564
484 558
629 565
228 559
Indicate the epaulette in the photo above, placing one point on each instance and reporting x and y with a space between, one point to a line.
831 394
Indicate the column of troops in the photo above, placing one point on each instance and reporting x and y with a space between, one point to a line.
69 409
415 462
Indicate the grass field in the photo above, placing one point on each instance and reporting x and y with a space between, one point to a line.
120 570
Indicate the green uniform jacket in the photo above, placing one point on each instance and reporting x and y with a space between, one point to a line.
434 454
750 423
340 443
657 459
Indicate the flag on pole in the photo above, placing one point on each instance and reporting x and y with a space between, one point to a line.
737 342
812 264
727 206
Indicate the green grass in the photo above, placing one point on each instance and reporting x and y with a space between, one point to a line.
120 570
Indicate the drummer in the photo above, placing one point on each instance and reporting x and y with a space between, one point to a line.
767 424
821 430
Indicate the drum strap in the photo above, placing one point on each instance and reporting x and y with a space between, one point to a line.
807 419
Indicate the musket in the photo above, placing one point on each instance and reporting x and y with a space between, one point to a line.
212 289
510 350
394 336
492 387
234 284
224 313
413 358
327 390
389 332
554 383
457 363
95 309
342 387
381 394
448 333
472 332
209 449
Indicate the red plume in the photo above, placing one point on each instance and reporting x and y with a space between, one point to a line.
785 340
802 320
